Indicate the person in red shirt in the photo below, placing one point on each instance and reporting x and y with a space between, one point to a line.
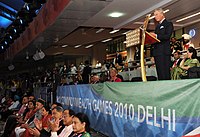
113 75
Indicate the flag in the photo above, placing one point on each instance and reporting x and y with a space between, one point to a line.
193 133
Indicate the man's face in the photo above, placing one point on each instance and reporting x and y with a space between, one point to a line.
39 105
185 41
56 114
31 98
31 105
25 100
96 78
158 16
173 40
176 56
67 119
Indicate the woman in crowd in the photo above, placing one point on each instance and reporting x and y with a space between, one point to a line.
81 126
31 111
190 60
113 76
42 124
31 122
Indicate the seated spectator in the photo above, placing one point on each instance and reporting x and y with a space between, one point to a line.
67 121
15 105
189 61
31 111
31 97
55 105
81 126
175 45
38 115
63 81
150 63
42 124
3 99
103 77
13 120
23 106
79 78
74 81
94 79
113 75
177 59
187 42
56 118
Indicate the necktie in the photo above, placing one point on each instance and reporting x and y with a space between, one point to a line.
175 63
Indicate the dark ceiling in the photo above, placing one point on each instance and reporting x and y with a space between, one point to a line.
15 4
8 11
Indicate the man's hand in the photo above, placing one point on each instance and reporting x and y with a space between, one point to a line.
54 125
153 34
38 124
34 131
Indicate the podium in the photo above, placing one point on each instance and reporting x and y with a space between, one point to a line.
141 37
134 38
149 39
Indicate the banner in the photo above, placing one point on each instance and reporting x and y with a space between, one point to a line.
137 109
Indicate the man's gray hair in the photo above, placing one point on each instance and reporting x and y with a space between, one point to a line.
159 10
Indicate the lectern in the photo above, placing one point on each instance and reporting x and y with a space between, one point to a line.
147 38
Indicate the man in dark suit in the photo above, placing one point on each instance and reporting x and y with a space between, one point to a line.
161 50
86 72
118 59
177 59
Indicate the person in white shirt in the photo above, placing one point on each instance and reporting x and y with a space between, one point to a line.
15 103
81 67
73 69
98 65
67 121
187 42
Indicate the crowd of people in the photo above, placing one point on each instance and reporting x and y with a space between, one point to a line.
36 118
26 116
183 67
101 72
185 62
